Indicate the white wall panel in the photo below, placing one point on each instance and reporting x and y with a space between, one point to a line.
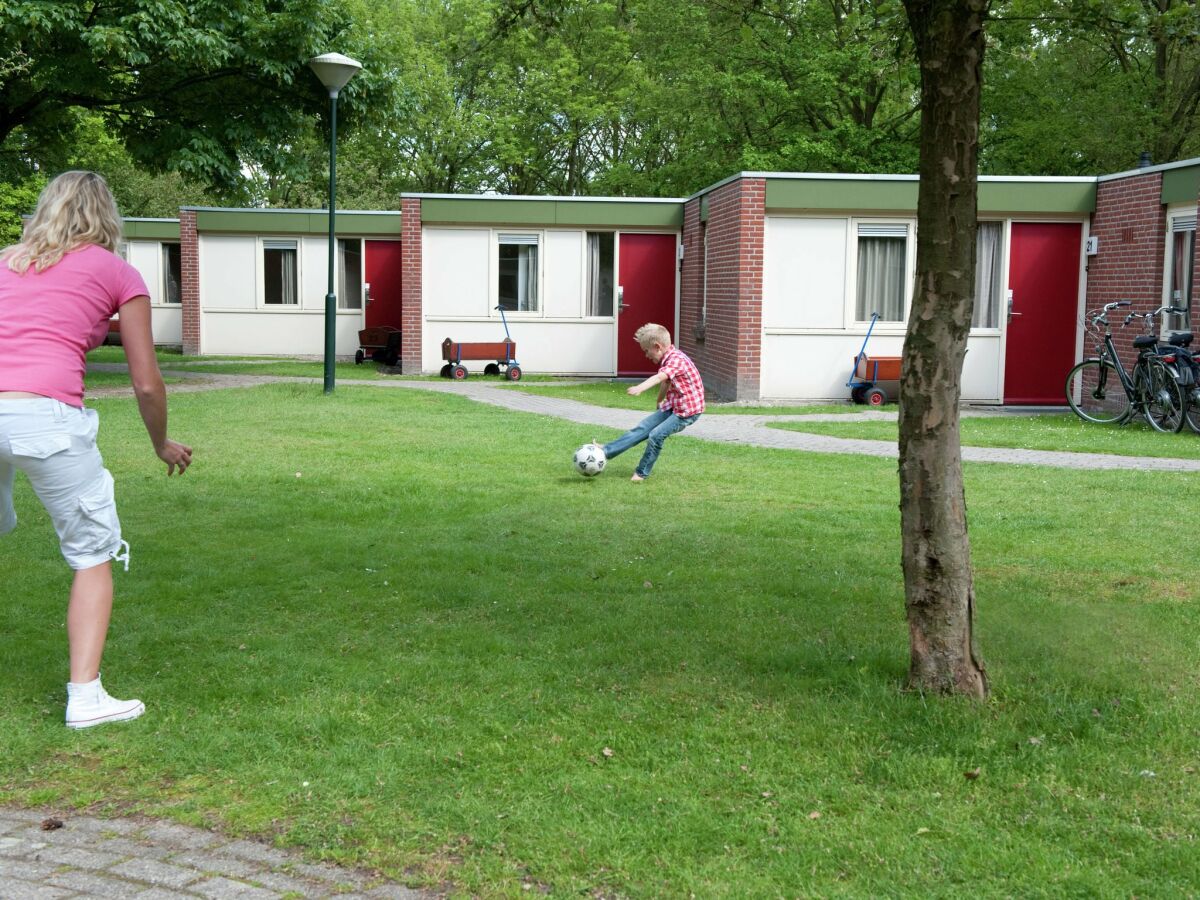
454 271
817 366
571 348
274 333
563 282
804 273
146 257
314 272
229 273
167 324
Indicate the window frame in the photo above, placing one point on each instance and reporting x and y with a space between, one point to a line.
263 243
1179 216
497 236
341 275
910 271
164 274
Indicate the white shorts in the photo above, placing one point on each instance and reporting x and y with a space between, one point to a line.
55 446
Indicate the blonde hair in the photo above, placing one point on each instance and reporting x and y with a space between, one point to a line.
650 333
74 209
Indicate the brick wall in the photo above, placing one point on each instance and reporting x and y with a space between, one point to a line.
189 287
410 285
1131 226
729 357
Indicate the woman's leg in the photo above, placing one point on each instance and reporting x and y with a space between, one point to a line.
87 620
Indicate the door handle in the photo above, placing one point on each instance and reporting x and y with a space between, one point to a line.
620 299
366 293
1010 308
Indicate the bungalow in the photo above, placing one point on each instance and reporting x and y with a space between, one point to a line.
769 280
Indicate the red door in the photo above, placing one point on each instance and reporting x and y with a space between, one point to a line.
383 275
1043 277
646 291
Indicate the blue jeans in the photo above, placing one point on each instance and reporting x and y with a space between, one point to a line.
654 429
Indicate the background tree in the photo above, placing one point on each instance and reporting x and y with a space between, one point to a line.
936 552
199 88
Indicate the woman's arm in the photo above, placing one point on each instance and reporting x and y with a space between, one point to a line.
138 340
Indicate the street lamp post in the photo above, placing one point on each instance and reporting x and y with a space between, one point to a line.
335 71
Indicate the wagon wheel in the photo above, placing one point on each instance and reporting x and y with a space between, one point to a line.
856 394
359 356
391 357
875 397
491 369
458 373
445 373
513 373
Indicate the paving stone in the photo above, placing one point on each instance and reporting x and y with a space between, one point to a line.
393 892
279 881
226 889
122 846
102 827
216 864
162 894
24 890
90 884
182 836
157 873
77 857
255 852
331 874
27 869
19 846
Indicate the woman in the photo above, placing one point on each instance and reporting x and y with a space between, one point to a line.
58 288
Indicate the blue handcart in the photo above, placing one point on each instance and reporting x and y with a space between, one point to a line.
874 380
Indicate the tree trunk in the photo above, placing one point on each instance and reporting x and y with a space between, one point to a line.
938 586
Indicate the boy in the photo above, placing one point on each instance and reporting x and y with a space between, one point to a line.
680 398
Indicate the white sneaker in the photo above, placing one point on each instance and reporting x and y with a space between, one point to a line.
89 704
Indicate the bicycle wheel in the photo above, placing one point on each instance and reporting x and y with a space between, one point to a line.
1191 415
1162 399
1095 393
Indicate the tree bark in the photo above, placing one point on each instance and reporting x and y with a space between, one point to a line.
938 584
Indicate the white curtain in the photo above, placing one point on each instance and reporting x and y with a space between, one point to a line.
518 257
593 263
989 241
527 279
1183 250
881 273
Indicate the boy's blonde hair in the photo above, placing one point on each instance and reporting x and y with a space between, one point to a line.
74 209
650 334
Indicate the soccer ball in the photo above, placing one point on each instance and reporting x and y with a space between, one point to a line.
590 460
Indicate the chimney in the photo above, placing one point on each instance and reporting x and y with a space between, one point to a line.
1144 160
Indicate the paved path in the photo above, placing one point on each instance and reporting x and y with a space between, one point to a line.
151 860
749 429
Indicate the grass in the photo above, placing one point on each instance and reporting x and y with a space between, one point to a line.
612 394
392 628
98 380
1041 432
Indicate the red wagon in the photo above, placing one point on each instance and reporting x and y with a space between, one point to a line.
501 353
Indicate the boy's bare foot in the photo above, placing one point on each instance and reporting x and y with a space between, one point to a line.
637 477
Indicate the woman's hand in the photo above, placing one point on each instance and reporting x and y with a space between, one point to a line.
175 455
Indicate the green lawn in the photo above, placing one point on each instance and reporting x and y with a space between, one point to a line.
613 394
1042 432
394 629
97 380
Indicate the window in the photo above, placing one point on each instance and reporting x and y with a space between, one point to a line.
279 272
1181 254
882 272
600 280
518 280
350 273
172 273
989 258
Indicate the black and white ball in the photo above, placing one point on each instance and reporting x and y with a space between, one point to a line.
590 460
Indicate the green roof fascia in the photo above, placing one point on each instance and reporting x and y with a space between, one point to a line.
896 195
553 212
1181 185
268 221
159 229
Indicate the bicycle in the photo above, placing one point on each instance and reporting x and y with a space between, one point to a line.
1100 389
1188 368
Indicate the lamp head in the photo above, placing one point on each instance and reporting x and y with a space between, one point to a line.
334 70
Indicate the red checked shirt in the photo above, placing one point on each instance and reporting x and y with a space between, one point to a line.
685 389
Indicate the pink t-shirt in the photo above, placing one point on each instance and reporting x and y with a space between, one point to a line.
49 320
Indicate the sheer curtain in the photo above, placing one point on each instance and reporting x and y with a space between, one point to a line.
882 252
1183 250
989 241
